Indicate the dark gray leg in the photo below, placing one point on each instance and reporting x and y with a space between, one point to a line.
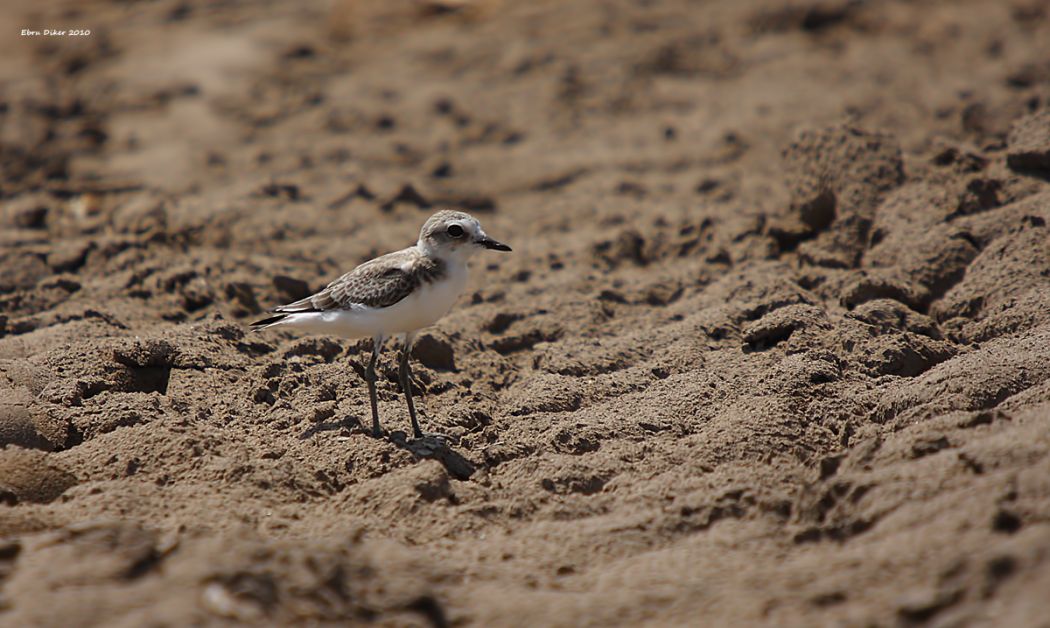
405 374
370 377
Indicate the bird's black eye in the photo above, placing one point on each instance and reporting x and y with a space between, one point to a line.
455 231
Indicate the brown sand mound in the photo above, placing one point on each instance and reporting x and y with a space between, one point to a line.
27 476
773 345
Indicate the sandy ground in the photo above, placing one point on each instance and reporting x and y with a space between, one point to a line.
773 346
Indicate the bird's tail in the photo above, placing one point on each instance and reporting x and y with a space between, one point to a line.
268 322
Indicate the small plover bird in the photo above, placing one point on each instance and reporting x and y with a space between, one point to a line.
395 294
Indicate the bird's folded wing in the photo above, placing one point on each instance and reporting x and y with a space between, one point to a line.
381 282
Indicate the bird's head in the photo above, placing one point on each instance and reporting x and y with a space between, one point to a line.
454 234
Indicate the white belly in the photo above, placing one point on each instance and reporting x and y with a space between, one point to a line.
420 309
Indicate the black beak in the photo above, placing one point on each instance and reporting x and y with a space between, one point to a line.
489 243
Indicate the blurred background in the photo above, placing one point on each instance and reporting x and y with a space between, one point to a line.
770 347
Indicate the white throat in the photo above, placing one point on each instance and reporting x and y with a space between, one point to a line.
454 258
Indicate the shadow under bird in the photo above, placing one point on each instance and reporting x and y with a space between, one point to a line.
396 294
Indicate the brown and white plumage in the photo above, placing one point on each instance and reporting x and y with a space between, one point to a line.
381 282
378 283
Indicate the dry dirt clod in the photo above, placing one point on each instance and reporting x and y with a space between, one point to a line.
1029 144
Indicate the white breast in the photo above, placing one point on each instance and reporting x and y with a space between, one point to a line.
426 305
